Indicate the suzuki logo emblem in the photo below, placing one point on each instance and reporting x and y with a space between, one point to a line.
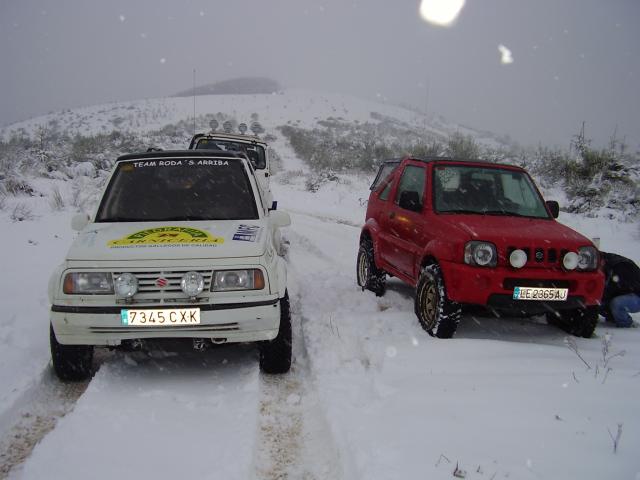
162 282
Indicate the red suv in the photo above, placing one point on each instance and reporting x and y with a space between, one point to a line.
472 232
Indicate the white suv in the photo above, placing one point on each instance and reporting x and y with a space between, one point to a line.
182 246
256 150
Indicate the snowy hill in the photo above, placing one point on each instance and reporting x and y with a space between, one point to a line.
300 107
370 394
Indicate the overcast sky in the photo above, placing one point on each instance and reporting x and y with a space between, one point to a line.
573 60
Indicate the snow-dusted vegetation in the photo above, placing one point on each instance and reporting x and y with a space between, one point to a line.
339 137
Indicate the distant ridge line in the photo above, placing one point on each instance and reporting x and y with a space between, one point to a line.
234 86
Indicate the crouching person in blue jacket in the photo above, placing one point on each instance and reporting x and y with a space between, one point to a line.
621 290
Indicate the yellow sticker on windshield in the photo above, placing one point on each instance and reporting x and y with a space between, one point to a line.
167 236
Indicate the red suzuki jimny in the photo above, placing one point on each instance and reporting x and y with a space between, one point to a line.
471 232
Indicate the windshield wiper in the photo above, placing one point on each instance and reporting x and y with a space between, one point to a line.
471 212
506 213
186 218
121 219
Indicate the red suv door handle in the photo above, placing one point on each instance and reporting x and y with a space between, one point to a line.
392 214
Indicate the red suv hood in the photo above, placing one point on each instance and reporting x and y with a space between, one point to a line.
519 231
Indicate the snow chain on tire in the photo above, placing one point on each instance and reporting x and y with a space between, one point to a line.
369 276
438 315
581 322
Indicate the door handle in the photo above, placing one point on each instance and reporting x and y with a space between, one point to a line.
392 214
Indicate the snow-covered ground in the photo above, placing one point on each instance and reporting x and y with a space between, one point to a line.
370 394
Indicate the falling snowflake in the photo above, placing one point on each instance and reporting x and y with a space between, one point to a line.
163 60
122 18
505 55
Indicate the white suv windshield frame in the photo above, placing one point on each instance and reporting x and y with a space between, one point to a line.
178 189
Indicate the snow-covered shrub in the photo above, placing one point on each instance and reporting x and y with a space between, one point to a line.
21 212
290 176
315 181
86 169
56 200
596 181
423 150
14 185
463 147
275 162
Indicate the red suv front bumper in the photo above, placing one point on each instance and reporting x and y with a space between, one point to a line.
493 287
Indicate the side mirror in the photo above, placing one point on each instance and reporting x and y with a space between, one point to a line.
79 221
410 200
553 207
280 218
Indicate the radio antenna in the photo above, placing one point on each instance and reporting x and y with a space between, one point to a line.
194 101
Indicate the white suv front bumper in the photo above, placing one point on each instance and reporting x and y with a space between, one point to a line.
248 321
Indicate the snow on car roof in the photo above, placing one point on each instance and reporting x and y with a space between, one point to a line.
182 154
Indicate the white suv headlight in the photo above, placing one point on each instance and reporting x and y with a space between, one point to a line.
88 283
226 280
481 254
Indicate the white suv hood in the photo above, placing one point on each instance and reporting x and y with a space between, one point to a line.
170 241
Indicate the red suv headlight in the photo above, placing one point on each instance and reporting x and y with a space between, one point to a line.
480 254
587 258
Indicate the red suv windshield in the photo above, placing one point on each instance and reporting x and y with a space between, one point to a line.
486 191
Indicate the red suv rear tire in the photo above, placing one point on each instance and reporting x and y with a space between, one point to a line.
369 276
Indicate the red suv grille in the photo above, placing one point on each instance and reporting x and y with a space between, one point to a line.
539 255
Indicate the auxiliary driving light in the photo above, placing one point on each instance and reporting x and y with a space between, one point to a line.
126 285
192 284
518 258
571 260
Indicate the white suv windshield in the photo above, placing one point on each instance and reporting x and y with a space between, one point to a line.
488 191
148 190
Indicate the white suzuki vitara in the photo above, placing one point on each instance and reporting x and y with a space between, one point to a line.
182 246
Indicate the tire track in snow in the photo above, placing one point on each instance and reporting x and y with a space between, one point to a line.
294 439
326 218
34 415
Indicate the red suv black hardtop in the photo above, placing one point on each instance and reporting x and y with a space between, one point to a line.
473 232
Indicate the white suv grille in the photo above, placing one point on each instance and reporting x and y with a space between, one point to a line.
164 285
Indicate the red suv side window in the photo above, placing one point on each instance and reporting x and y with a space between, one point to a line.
412 180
